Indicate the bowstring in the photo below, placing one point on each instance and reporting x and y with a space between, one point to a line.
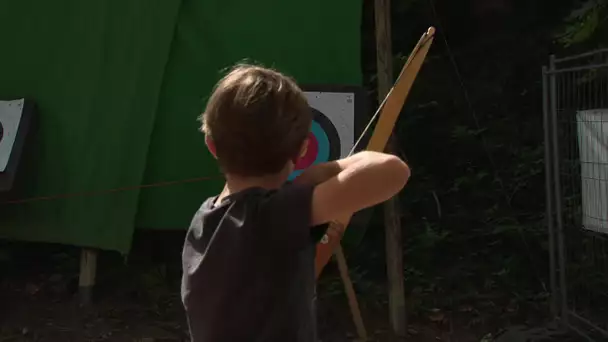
369 124
379 110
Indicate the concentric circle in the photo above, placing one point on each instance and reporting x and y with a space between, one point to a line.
323 143
310 155
328 137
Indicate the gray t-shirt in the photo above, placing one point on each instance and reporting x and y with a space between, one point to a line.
248 267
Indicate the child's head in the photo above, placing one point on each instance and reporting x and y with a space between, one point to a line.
256 122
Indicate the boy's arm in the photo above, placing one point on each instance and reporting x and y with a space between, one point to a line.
318 173
358 182
323 172
330 192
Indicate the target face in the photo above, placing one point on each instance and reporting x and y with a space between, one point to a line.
323 142
333 128
10 116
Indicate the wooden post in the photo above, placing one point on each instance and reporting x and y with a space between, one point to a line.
88 269
394 248
394 265
384 47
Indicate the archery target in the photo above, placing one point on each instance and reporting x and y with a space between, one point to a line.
332 133
10 117
323 142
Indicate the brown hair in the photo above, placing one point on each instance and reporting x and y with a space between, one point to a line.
257 119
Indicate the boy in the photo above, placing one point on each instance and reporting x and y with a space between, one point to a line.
248 258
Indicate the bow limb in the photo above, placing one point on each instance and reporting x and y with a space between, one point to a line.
388 114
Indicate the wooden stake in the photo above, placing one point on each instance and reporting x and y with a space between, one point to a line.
394 252
88 269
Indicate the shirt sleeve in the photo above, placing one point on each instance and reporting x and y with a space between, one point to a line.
286 216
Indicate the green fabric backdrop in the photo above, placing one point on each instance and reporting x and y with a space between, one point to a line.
95 68
120 85
316 41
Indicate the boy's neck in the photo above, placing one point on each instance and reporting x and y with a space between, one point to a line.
236 184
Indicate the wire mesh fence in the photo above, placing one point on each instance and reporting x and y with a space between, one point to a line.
576 152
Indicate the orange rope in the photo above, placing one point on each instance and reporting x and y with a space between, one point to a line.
109 191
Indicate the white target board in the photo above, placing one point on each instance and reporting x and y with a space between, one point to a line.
593 151
339 108
10 117
336 112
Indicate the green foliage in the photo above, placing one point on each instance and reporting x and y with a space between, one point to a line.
586 23
473 212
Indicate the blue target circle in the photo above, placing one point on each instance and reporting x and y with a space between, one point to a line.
327 138
323 141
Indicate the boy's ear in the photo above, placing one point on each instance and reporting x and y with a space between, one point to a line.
210 146
304 148
302 153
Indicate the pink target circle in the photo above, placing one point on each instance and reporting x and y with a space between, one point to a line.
311 153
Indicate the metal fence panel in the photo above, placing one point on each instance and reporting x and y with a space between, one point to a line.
575 101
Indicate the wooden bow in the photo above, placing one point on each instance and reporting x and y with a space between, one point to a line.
387 115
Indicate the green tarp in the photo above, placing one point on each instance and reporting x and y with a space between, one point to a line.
95 68
120 85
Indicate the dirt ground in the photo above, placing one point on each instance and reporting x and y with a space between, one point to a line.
36 311
137 300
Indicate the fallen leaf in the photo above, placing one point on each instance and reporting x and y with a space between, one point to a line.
436 316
